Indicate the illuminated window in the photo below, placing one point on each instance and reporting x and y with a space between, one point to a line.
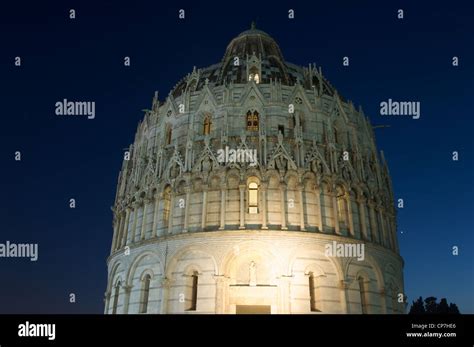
253 197
116 297
252 121
145 293
254 75
342 207
207 125
363 295
192 291
313 294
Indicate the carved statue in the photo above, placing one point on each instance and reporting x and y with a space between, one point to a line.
280 163
317 166
346 174
206 165
174 170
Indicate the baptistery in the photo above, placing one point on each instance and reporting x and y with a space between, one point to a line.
254 187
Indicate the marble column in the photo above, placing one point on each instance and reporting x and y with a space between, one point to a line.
300 189
220 294
385 238
154 228
388 227
204 207
126 235
242 206
320 212
165 287
394 233
144 215
350 216
363 225
283 205
170 215
263 189
126 299
223 206
135 206
187 190
108 295
116 237
373 223
343 286
335 213
122 231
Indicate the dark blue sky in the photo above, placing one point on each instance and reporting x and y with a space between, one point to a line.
82 59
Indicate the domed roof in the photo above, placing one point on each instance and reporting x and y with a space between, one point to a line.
264 47
252 44
253 41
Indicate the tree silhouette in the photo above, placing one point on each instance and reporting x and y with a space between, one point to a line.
443 306
430 306
417 307
453 308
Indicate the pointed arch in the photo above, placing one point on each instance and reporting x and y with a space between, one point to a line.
207 124
252 120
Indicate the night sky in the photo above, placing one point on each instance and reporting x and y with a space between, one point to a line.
67 157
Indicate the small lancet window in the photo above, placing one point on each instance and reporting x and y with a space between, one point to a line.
207 126
253 197
145 294
252 121
169 134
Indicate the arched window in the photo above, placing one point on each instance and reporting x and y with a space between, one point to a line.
252 121
368 224
253 197
145 293
254 75
363 295
314 294
116 297
301 119
192 291
169 134
376 229
207 125
342 207
166 205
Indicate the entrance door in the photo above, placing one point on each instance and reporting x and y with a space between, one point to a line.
253 309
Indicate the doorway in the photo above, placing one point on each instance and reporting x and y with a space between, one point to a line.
253 309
